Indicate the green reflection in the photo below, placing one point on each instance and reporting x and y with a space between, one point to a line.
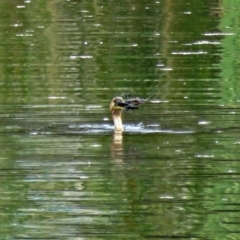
63 173
229 27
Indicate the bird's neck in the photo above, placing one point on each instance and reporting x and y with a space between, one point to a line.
117 119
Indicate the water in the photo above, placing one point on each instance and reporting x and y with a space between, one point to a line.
173 174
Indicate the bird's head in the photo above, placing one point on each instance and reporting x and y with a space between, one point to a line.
117 104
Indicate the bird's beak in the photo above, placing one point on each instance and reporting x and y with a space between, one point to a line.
121 104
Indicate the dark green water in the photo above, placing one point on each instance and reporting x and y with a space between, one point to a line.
174 174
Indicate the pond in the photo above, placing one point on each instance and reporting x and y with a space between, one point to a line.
173 173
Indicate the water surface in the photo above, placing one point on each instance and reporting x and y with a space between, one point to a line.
173 174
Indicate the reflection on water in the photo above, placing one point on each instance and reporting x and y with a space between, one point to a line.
117 147
173 173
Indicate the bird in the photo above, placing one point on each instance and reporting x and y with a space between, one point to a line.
119 104
133 103
116 107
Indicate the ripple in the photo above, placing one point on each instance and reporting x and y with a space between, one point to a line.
128 128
